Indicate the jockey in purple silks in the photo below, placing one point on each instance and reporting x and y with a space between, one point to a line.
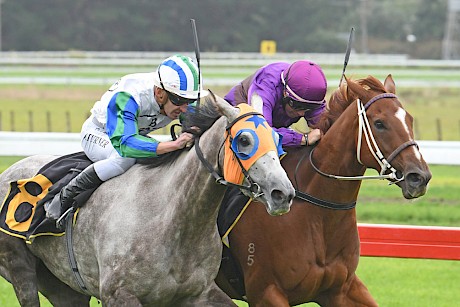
285 93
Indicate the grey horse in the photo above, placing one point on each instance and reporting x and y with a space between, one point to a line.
148 237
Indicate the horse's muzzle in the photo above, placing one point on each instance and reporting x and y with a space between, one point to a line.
281 202
415 183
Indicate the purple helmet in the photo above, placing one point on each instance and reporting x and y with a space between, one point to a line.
304 82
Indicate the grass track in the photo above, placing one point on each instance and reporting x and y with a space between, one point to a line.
429 107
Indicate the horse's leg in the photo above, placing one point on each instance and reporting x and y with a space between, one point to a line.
356 295
359 295
272 297
20 264
213 297
57 292
120 297
223 283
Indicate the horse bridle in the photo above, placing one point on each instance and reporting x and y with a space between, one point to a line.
364 128
253 187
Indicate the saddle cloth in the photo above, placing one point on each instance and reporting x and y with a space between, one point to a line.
232 208
22 213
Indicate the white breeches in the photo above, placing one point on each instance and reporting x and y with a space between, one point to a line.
97 146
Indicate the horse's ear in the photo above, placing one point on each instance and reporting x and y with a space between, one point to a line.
389 84
224 107
354 90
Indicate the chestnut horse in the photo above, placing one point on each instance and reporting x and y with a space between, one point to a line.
311 254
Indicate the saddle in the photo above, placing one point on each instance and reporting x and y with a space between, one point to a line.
22 213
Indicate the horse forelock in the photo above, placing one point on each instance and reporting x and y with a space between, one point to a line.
342 97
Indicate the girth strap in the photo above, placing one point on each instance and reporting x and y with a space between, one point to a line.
70 252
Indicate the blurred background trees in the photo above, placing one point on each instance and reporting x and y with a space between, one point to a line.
413 27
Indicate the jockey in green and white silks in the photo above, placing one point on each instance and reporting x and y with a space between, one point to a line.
116 132
119 124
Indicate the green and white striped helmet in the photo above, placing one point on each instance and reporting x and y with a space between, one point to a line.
178 74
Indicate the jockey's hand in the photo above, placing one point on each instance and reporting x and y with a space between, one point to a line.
184 140
314 136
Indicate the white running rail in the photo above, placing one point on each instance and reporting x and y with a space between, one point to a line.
35 143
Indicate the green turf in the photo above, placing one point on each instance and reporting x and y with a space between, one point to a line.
436 111
380 203
411 282
332 72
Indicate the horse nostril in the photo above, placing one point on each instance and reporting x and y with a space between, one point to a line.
415 179
279 196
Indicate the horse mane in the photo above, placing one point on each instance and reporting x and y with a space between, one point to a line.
202 117
342 97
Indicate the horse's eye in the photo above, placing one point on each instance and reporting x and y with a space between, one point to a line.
243 141
379 125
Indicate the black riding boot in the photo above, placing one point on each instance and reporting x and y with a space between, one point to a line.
86 180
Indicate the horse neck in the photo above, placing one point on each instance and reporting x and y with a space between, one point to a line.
336 154
203 199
